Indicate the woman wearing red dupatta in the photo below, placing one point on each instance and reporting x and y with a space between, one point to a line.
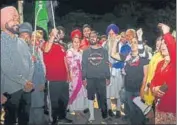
166 74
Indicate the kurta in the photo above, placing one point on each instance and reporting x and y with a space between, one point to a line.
116 81
77 91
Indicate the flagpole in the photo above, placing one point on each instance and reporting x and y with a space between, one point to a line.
35 25
20 10
53 14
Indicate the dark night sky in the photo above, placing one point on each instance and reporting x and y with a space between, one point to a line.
102 7
95 6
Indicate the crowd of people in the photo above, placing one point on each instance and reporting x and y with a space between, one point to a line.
42 80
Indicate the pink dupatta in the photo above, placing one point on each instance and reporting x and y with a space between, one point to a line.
78 86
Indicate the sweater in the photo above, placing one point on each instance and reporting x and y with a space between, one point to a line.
16 63
95 63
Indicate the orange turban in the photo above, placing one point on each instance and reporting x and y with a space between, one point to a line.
7 14
76 33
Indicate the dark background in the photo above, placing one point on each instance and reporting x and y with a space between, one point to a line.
100 13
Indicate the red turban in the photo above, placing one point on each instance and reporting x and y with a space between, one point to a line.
76 33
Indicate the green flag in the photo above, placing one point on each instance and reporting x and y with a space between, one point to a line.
41 14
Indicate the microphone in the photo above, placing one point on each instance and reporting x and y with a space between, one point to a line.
163 88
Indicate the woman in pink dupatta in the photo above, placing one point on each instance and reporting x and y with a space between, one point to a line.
77 101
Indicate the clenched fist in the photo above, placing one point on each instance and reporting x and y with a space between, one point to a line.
54 33
165 28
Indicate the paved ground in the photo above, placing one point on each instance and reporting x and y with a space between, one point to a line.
83 119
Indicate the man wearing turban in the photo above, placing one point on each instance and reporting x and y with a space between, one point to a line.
116 80
16 65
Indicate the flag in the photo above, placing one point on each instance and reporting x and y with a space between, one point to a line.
50 16
44 15
41 15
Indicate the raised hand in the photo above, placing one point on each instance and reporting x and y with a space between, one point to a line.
54 33
139 33
118 37
164 27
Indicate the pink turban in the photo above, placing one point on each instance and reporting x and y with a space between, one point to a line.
7 14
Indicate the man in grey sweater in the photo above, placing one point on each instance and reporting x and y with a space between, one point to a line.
96 75
16 65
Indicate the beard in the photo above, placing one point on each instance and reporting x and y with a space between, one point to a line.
112 39
92 42
110 43
14 29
